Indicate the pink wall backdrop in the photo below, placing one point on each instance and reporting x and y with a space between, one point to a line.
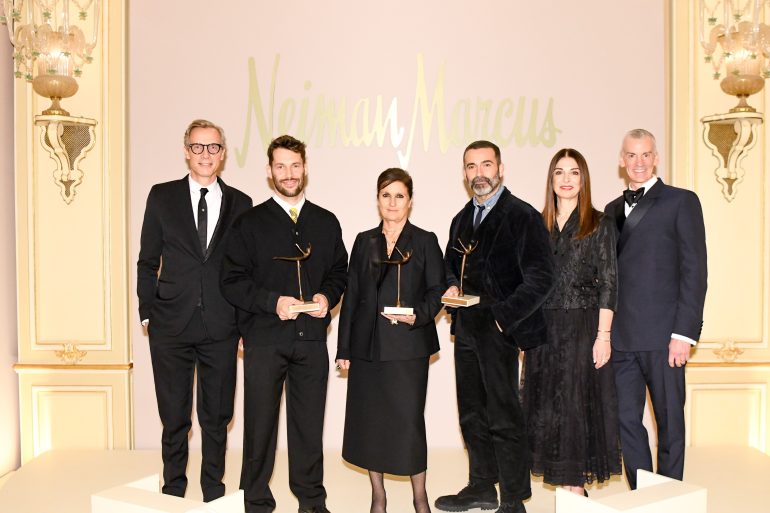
374 85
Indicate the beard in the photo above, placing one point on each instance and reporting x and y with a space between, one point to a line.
290 193
481 185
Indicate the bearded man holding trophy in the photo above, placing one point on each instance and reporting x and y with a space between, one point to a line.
499 272
284 270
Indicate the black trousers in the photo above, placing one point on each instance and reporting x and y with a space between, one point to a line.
491 418
304 366
635 373
174 363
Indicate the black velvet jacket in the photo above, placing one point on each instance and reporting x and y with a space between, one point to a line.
514 254
587 268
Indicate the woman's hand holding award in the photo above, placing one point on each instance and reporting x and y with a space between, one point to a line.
398 309
305 306
462 299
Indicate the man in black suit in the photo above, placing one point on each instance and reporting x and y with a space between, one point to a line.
661 291
279 345
191 326
511 270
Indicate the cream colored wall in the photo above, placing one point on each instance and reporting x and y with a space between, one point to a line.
72 271
728 401
9 390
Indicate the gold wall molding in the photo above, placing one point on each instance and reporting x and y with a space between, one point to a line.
32 367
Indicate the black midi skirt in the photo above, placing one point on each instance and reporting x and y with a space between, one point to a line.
385 416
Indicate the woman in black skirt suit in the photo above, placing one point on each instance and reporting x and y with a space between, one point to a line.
387 355
569 390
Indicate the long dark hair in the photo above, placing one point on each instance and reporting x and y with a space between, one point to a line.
589 217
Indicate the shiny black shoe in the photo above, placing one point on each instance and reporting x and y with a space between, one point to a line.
511 507
471 497
313 509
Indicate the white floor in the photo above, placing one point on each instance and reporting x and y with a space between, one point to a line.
61 482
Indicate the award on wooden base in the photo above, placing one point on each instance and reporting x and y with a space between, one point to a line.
462 300
306 306
398 309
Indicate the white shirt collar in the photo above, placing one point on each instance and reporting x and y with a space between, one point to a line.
195 187
286 206
648 184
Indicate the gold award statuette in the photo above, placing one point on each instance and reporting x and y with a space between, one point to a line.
462 299
306 306
398 309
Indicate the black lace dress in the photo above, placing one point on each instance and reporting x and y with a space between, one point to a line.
571 407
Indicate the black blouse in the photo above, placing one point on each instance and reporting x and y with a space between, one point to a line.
586 269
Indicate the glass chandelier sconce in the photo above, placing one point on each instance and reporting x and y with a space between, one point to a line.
737 46
52 41
50 47
736 42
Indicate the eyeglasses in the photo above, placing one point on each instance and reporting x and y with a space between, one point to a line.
212 148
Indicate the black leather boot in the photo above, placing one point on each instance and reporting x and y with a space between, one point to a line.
471 497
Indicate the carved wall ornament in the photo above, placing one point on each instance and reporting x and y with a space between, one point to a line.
70 354
728 352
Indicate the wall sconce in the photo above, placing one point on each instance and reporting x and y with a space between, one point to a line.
49 52
745 47
744 42
730 137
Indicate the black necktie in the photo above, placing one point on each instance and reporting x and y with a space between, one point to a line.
477 219
203 220
633 197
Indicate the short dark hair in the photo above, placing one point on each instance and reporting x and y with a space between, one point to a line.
477 145
286 142
394 174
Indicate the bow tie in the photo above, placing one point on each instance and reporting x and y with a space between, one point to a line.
633 197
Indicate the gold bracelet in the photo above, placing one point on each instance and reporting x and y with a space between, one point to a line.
604 331
604 339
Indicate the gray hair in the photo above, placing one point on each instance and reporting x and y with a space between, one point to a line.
639 133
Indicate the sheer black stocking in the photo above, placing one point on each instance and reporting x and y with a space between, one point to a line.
421 504
379 501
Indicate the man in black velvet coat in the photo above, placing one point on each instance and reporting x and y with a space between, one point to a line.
191 326
280 346
511 270
661 292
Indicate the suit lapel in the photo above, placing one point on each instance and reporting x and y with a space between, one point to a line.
638 213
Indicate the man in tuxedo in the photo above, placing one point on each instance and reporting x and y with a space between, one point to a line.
191 326
511 269
281 345
661 291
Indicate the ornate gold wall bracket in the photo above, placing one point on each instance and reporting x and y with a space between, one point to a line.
70 354
728 352
730 137
67 139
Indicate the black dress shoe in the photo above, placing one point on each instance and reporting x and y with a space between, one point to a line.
511 507
471 497
313 509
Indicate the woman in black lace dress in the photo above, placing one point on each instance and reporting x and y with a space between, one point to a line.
568 388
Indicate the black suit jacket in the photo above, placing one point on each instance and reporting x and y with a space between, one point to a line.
188 278
253 281
362 328
517 265
661 269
